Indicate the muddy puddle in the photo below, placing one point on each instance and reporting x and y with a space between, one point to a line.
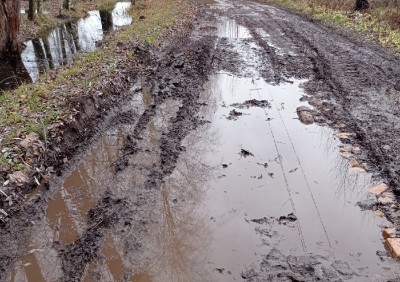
229 208
244 187
254 193
61 45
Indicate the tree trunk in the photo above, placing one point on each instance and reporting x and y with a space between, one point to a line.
31 11
361 5
9 25
39 6
67 4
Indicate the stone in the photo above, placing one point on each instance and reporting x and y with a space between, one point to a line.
357 170
393 245
379 213
385 200
346 155
345 135
353 163
389 232
314 102
346 148
19 178
305 115
379 189
357 150
29 140
340 125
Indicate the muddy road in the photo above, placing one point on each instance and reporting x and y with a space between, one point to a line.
210 171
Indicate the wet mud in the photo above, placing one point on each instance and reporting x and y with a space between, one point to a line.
209 168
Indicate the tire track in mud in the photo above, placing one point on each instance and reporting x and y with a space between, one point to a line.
356 82
180 75
192 66
335 78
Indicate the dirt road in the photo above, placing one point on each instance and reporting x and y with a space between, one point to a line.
206 173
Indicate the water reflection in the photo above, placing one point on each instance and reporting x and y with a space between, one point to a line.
13 72
60 46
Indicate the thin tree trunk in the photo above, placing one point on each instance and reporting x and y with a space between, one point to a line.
67 4
31 12
361 5
39 6
9 25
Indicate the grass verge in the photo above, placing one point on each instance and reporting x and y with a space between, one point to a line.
35 107
378 23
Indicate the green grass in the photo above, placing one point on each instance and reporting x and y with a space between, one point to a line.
31 107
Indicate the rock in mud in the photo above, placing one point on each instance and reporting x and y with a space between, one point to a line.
354 163
345 135
305 115
379 189
386 200
367 204
357 150
379 213
315 102
357 170
346 155
389 232
29 140
393 245
18 178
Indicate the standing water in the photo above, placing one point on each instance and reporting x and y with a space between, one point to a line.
61 45
255 192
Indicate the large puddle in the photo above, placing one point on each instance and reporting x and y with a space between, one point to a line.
61 45
231 203
252 181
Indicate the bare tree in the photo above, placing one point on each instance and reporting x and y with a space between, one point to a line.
31 11
39 6
67 4
9 25
361 5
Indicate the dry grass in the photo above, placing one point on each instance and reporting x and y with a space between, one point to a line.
381 22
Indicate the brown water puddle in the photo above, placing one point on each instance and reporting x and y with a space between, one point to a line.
66 215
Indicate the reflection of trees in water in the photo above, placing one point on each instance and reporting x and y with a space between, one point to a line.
106 20
184 236
66 214
72 29
348 185
40 55
13 72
